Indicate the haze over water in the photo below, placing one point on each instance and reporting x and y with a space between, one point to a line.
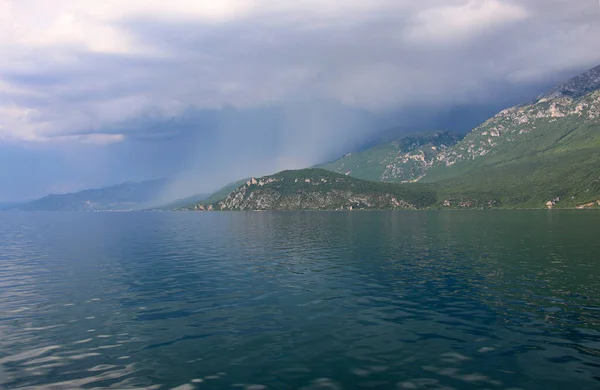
380 300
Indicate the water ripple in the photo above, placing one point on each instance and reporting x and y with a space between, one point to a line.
423 300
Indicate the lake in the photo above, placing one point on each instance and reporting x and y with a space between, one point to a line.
311 300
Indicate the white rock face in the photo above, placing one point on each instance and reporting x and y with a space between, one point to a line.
307 196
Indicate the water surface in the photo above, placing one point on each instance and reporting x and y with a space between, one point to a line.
377 300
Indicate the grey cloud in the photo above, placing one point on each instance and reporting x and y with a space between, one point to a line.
368 63
365 62
303 87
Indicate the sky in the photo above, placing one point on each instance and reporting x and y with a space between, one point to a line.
207 92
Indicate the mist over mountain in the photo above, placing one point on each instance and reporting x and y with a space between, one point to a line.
544 154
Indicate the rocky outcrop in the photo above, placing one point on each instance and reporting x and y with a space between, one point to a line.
471 202
588 205
247 200
317 189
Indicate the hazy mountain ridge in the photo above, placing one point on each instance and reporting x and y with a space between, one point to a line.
120 197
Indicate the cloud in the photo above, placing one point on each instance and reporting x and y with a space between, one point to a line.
93 25
134 79
94 139
21 118
460 21
92 67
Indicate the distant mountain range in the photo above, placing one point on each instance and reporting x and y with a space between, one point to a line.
121 197
129 196
544 154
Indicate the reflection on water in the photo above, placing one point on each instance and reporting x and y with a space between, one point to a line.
407 300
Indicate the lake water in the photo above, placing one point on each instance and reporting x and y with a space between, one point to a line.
374 300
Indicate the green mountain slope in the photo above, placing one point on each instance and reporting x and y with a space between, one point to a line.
557 125
564 178
533 154
402 160
318 189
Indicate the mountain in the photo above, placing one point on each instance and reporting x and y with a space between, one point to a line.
120 197
318 189
546 152
405 159
543 154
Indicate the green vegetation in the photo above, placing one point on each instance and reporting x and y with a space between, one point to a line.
532 181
